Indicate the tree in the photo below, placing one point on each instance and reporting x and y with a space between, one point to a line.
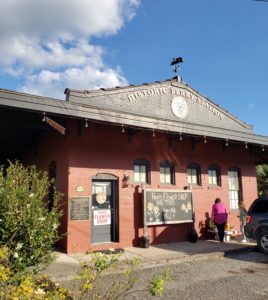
262 179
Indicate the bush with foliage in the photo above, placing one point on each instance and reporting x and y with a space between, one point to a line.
106 277
103 278
27 227
27 285
262 179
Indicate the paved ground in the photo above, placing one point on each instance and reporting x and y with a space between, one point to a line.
65 267
235 275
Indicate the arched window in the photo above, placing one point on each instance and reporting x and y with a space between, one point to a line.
194 174
52 174
142 171
234 182
167 174
214 176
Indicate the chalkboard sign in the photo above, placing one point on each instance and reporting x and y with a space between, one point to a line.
162 206
79 209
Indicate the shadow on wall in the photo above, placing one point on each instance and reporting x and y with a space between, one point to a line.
171 234
138 216
203 227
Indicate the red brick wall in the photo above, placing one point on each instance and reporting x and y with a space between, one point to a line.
105 149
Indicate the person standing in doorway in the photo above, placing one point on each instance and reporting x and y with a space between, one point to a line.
242 214
219 217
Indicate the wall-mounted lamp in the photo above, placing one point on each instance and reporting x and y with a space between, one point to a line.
153 133
123 129
125 181
44 117
226 143
262 148
246 145
86 123
205 139
180 136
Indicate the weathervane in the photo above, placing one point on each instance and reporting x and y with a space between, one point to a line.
175 64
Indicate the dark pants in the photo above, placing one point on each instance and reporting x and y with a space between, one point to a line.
220 228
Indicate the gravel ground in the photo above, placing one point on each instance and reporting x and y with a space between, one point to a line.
236 275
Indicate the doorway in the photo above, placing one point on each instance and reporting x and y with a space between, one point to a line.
104 225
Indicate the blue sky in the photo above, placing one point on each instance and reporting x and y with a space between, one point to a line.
49 45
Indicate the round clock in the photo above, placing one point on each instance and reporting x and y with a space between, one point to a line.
101 197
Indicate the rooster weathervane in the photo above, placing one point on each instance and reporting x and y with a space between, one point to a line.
175 63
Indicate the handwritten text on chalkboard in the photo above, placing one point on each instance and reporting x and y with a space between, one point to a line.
167 206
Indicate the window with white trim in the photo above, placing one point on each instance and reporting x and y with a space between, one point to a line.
234 187
214 177
167 173
141 171
193 174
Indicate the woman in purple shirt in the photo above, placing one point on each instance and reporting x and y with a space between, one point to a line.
219 217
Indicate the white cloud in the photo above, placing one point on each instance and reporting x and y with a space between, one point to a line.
53 84
47 42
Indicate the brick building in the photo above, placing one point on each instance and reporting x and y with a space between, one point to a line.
111 150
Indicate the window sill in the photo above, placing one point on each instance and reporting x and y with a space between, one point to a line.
166 185
140 186
135 183
214 187
195 187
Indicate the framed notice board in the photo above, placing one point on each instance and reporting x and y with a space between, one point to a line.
79 208
163 206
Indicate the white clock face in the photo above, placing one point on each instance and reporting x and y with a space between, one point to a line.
179 107
101 197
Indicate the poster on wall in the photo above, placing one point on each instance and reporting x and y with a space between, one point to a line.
102 217
163 206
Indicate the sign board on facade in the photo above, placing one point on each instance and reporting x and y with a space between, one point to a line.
162 206
80 189
102 217
79 208
55 125
181 93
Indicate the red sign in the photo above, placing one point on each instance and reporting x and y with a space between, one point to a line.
102 217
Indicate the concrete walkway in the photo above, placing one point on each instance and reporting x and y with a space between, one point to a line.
65 267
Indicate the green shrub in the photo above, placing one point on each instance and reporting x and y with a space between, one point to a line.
27 226
24 286
262 179
103 278
106 277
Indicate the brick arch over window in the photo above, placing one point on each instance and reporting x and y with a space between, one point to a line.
167 172
214 175
235 187
142 172
194 173
104 176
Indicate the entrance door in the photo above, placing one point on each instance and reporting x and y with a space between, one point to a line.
104 212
